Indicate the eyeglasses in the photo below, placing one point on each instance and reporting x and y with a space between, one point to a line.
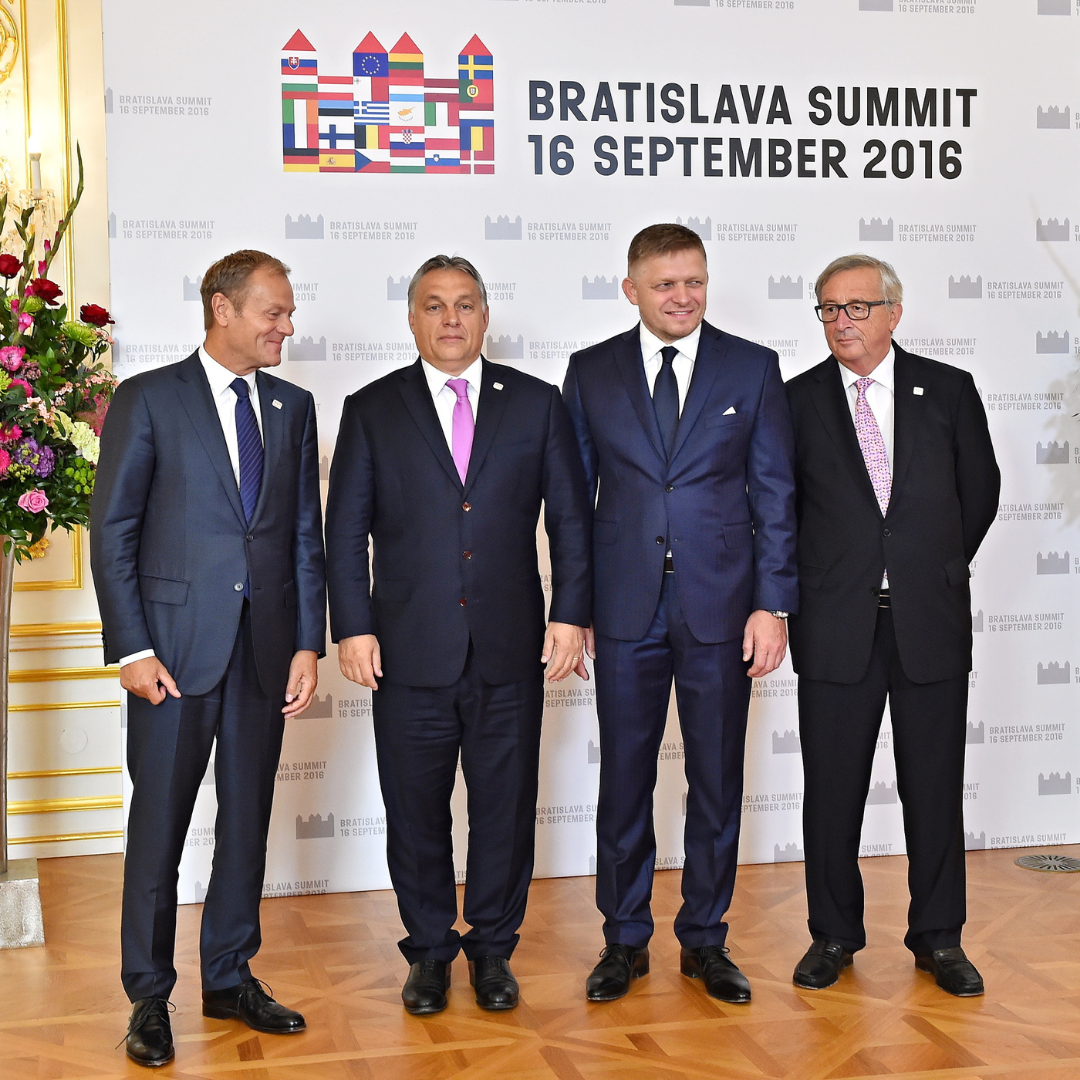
857 310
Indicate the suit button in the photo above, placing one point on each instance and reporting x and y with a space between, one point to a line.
466 554
669 487
463 601
659 539
250 537
886 532
238 587
466 507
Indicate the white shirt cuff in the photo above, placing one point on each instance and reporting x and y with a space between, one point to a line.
124 660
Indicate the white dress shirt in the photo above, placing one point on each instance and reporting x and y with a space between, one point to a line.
225 398
445 399
880 395
682 365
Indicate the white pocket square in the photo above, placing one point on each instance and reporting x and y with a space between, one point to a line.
276 403
730 411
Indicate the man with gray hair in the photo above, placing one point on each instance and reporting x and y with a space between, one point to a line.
445 465
896 486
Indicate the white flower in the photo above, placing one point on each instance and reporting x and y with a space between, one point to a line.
84 440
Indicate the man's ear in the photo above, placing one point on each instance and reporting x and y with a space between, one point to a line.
630 290
222 309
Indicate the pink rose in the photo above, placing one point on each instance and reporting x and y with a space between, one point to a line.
34 501
11 357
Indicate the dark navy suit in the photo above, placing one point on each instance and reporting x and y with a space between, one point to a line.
724 506
171 553
458 609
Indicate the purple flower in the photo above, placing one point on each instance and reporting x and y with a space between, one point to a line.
39 458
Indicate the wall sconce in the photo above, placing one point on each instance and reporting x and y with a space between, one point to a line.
33 148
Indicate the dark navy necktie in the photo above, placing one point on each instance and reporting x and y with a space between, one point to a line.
250 447
666 399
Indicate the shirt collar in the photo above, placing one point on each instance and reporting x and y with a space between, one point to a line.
437 379
883 373
219 376
651 344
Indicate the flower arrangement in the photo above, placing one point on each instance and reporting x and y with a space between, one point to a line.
54 389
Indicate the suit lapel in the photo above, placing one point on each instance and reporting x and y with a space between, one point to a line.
831 404
632 370
417 397
273 422
710 355
909 409
489 412
194 393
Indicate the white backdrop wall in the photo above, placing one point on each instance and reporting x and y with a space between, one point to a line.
941 136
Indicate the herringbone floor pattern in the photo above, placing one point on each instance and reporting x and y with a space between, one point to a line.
334 958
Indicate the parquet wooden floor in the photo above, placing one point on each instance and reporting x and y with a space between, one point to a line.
334 957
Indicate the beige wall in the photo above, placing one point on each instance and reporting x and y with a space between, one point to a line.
65 720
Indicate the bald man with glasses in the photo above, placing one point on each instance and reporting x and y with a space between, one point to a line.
896 486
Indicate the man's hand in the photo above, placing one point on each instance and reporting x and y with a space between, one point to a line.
303 678
590 642
148 678
360 660
764 641
564 648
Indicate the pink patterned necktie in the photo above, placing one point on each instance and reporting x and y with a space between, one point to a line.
873 446
464 426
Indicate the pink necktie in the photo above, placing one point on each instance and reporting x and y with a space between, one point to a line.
872 445
464 426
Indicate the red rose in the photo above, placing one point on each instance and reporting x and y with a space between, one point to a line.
94 314
44 288
9 266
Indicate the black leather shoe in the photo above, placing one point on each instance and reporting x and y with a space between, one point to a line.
821 966
722 978
248 1001
496 987
952 971
425 988
610 979
149 1034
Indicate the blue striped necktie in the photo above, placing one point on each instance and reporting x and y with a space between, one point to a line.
250 447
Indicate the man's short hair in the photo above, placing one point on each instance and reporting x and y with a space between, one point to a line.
231 277
656 240
447 262
891 289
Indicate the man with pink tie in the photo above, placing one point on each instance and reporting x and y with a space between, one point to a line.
445 465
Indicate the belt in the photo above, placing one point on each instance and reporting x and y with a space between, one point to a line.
883 600
669 566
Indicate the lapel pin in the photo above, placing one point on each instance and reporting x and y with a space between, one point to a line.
917 390
277 404
497 385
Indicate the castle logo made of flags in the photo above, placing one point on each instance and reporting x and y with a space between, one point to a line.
387 117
